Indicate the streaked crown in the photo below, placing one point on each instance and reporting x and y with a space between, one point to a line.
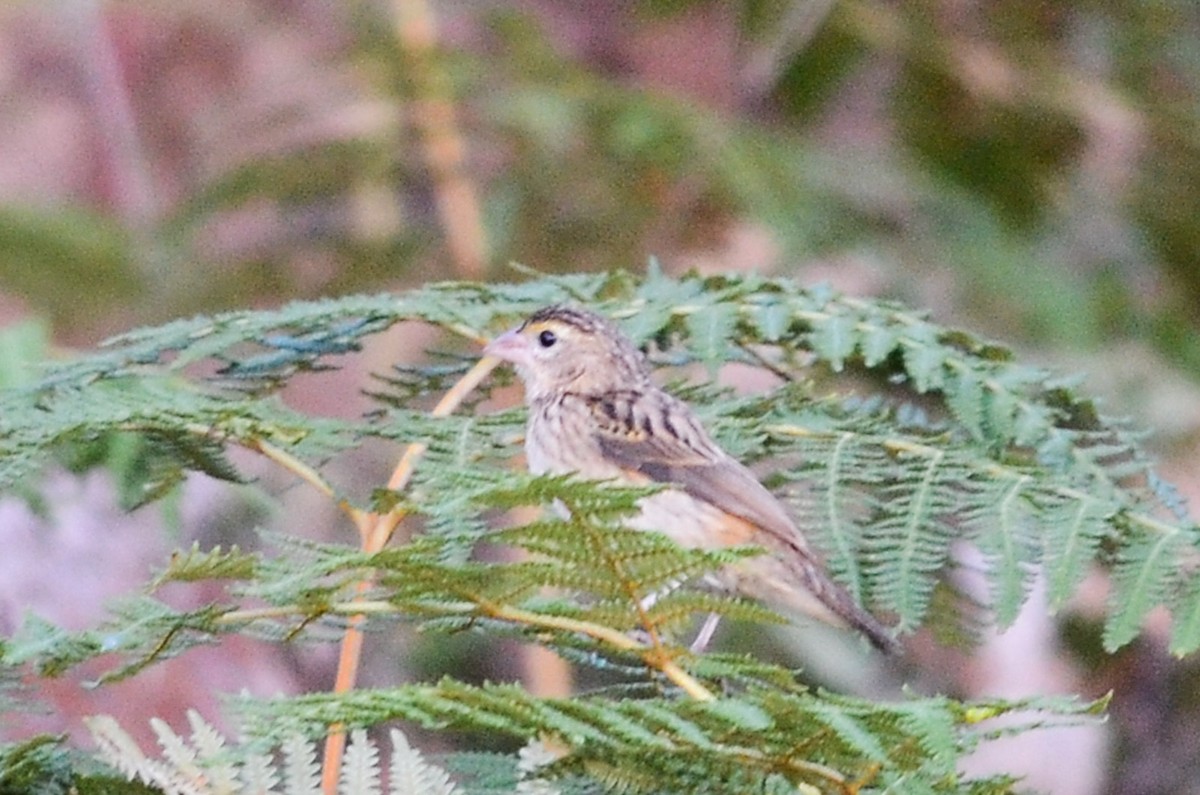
574 349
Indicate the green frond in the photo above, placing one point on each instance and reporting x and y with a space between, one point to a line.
677 610
710 326
50 647
613 561
213 564
883 504
1185 630
664 744
938 439
1145 573
37 765
1006 532
1073 525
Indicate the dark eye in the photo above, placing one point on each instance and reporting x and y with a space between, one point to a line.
547 338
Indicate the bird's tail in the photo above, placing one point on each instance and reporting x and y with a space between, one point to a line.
857 618
801 585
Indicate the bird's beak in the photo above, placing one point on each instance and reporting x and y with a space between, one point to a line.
509 346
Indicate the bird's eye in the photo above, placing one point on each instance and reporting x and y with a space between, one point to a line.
547 338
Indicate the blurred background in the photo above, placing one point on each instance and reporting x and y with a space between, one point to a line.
1027 170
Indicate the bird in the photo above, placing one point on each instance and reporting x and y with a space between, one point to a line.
594 411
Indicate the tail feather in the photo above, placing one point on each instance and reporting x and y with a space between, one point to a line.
800 585
839 601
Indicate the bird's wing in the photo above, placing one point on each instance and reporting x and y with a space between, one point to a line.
655 436
658 437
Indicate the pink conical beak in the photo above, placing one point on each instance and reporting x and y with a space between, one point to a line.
509 346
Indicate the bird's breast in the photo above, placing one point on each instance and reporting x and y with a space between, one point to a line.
687 521
559 441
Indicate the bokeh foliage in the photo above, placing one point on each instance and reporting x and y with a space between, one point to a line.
1043 158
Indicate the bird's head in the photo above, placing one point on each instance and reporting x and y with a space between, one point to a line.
563 348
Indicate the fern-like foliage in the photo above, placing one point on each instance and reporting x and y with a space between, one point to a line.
998 455
202 764
763 739
1018 461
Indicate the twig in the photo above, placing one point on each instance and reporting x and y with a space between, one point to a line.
765 363
293 465
384 526
433 112
305 473
375 531
655 655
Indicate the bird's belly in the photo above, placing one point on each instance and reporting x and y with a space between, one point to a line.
695 523
687 521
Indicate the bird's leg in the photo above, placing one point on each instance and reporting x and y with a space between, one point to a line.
707 630
705 635
649 600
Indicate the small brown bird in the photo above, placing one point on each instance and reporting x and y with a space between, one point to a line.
593 410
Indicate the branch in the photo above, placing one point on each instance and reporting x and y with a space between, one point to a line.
374 533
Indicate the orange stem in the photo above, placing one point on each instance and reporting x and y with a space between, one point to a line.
375 530
445 153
